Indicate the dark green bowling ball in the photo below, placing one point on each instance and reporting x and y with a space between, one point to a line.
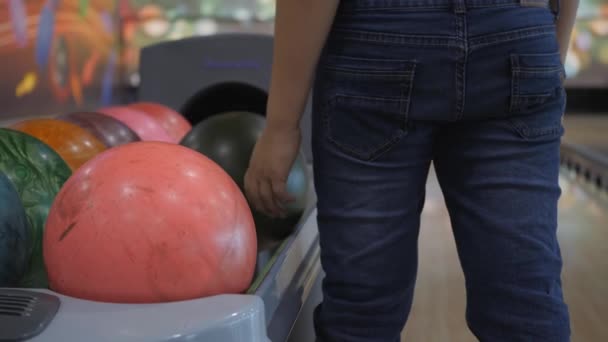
15 235
229 139
37 172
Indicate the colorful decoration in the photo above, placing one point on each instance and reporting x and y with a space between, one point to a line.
58 54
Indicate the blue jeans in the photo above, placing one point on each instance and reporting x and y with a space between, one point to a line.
476 87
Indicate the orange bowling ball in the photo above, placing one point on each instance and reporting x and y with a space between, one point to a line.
149 222
74 144
173 122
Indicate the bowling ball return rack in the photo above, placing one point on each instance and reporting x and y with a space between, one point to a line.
286 288
277 307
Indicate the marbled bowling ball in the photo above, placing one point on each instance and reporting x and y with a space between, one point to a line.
173 122
150 222
108 130
37 172
15 235
74 144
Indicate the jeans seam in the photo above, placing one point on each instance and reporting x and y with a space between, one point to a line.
530 72
445 41
377 60
408 97
354 9
398 39
371 156
374 5
355 73
514 83
461 68
497 38
531 133
371 98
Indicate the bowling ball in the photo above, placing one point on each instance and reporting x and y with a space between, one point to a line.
297 185
15 235
145 127
37 172
229 139
74 144
149 222
173 122
108 130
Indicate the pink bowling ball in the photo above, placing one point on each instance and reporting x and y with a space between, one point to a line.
144 126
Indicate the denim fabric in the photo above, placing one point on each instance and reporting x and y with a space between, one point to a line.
476 88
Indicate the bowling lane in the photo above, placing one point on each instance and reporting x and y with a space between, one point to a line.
588 131
439 303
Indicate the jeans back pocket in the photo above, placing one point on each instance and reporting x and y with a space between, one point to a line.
537 94
365 103
536 79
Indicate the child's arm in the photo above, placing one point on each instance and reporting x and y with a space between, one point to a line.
565 23
301 28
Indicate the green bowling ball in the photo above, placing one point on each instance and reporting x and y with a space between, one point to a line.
15 235
37 173
229 139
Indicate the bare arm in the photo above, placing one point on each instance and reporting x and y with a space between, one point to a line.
565 23
301 28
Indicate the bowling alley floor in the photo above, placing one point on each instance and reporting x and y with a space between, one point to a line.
439 303
589 130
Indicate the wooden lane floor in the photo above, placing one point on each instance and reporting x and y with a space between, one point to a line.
587 129
439 303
